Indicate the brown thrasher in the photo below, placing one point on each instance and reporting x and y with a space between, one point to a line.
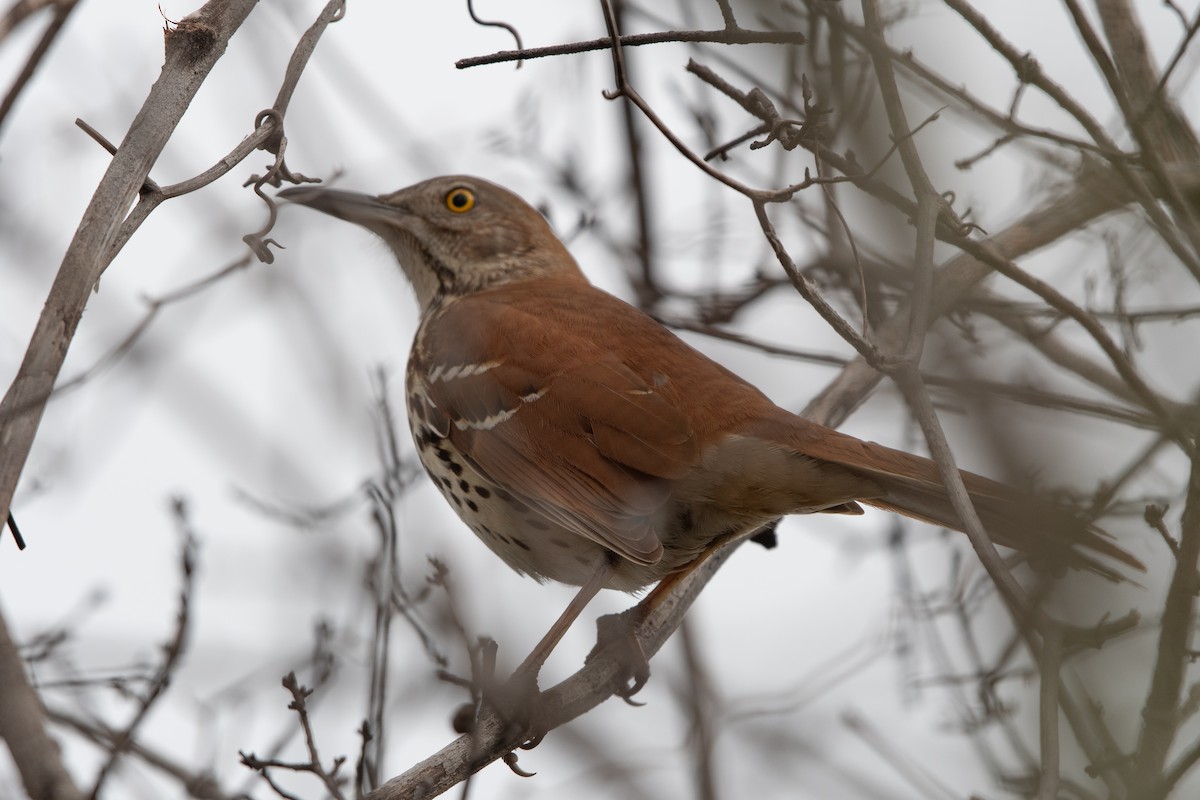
584 442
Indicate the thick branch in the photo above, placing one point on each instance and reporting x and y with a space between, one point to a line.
192 48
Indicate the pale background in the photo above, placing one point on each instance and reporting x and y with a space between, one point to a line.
262 387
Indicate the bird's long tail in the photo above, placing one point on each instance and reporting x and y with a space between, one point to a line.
1050 534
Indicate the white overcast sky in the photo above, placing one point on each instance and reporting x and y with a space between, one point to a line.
263 386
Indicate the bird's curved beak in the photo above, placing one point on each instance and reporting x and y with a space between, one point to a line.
361 209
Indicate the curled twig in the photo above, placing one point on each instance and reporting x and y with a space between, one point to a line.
496 24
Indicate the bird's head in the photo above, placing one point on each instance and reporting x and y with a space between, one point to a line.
452 235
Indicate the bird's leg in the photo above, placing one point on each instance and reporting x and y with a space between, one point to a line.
514 700
532 664
616 634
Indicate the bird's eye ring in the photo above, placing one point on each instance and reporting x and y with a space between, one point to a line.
460 200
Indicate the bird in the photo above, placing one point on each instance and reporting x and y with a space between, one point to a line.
583 442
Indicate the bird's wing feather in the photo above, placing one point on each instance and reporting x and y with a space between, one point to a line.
581 436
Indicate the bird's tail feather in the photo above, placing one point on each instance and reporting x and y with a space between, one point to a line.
1049 534
912 486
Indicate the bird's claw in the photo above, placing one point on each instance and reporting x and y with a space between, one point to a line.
510 758
513 701
616 638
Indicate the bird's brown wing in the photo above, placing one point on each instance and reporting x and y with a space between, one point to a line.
593 437
539 408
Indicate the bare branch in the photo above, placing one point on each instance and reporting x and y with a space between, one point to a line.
62 10
23 728
724 36
661 612
193 47
1161 712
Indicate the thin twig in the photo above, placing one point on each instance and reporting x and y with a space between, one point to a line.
724 36
1160 713
1048 715
172 650
1028 70
199 785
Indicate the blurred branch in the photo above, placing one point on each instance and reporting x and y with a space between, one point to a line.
925 79
172 650
1095 194
22 726
193 47
16 13
1159 134
807 289
920 779
1190 29
198 785
1150 399
641 189
153 306
20 11
1161 713
696 698
1029 71
931 207
1164 130
894 345
1048 671
1063 354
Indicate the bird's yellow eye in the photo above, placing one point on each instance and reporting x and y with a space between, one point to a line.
460 200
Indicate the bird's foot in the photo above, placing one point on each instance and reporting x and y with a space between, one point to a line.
513 701
616 638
